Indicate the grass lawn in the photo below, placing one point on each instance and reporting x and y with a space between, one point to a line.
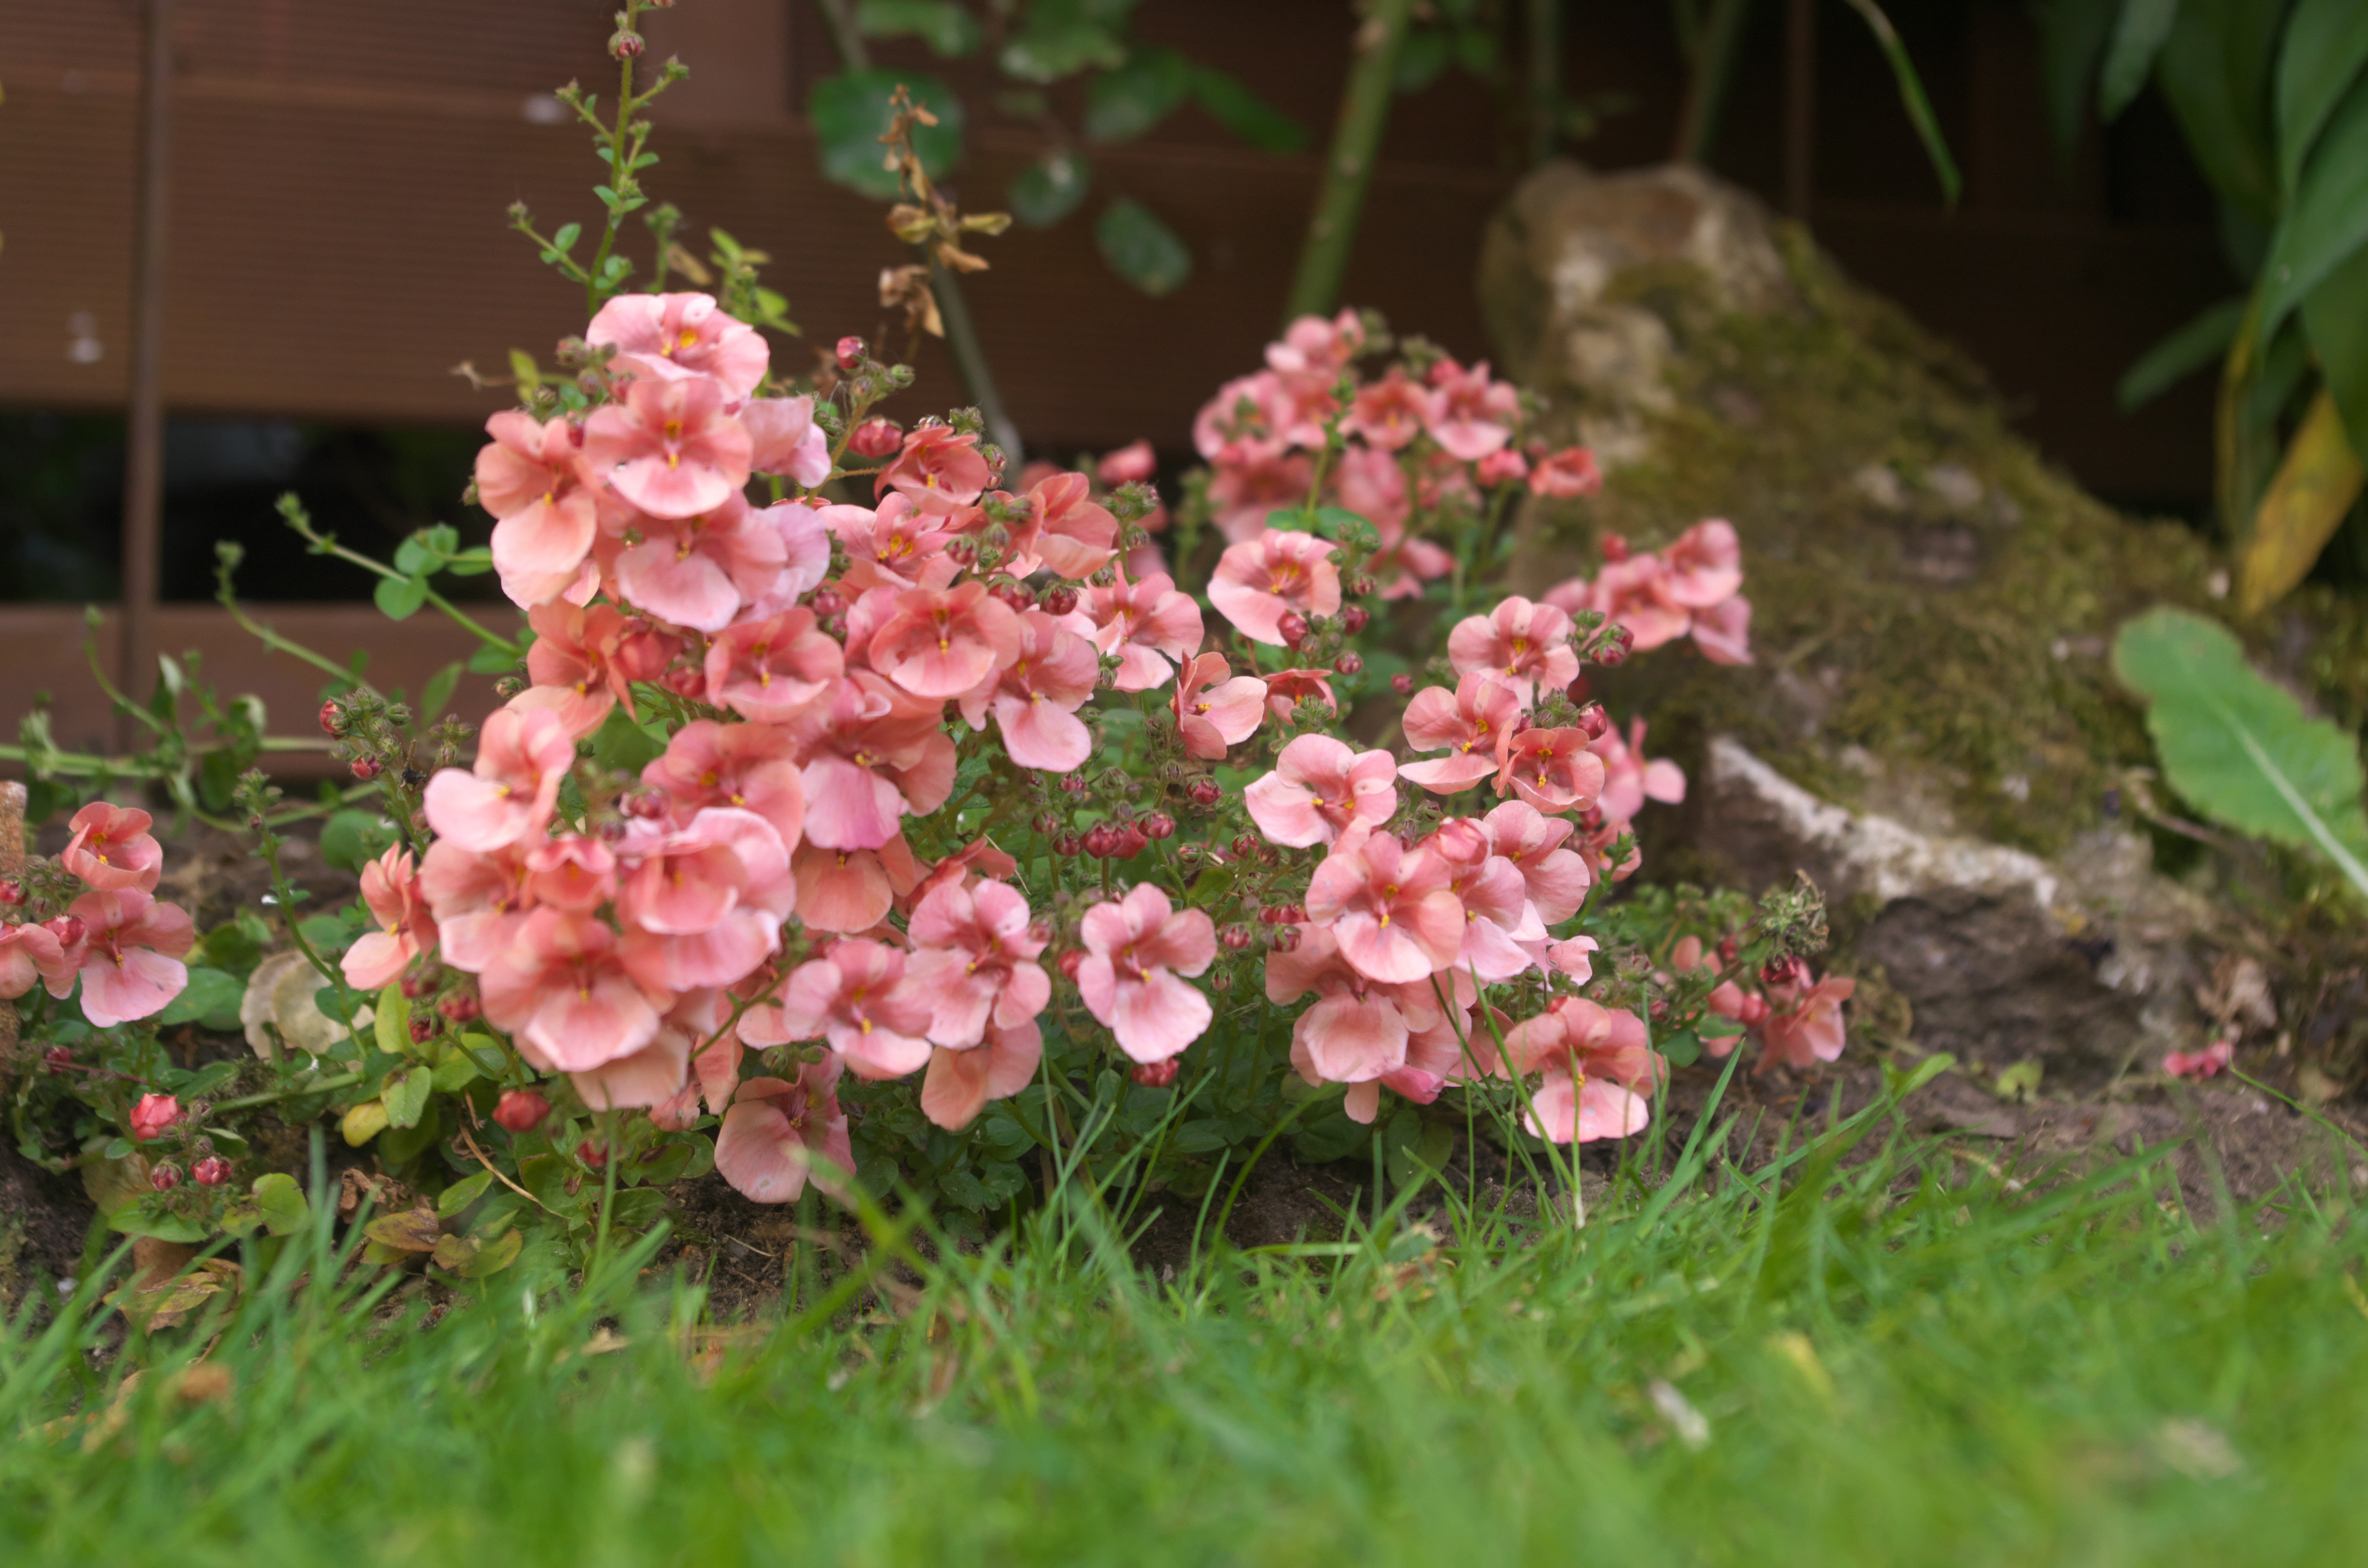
1910 1361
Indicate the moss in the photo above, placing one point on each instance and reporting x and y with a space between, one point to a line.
1960 642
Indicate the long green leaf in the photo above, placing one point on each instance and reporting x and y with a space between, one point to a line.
2335 319
1912 98
2072 37
2240 748
2201 342
2137 39
2215 69
2328 220
2325 45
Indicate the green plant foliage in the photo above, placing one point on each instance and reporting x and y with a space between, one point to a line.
1232 105
2240 749
950 30
2137 39
350 840
850 111
1057 38
1141 93
1049 188
2201 342
210 1001
1141 249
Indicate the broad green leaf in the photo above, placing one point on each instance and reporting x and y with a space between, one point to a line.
399 598
493 1256
489 660
2327 223
1125 103
2137 39
849 113
284 1206
413 1230
1683 1048
2335 319
2201 342
350 840
210 1000
134 1219
2306 504
2240 748
413 558
405 1095
1715 1027
463 1193
1049 189
437 694
398 1146
1234 106
392 1023
2325 45
487 1052
2214 69
362 1122
1141 249
949 29
455 1072
624 746
229 946
1061 38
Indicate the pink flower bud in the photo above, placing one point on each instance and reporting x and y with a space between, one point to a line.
1101 841
1355 619
1726 951
1285 939
1787 971
1349 664
1358 586
1058 600
1291 627
625 44
686 680
1068 846
211 1171
59 1059
1159 824
461 1008
1403 685
423 1029
1068 964
1615 548
331 719
153 1115
1754 1012
414 987
827 602
367 768
1129 842
1156 1075
850 353
1594 721
521 1111
1236 938
68 929
164 1178
1074 784
12 893
1245 844
1047 824
1204 791
591 1153
1615 648
876 438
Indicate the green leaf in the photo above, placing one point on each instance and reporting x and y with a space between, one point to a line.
949 30
412 1230
624 746
1203 1137
393 1024
211 1000
455 1072
1049 189
463 1193
849 113
1713 1025
136 1220
487 1052
2238 748
2137 39
399 598
2335 319
2214 69
436 695
1061 38
1912 98
1124 103
2201 342
2327 223
1141 249
277 1206
399 1145
1422 57
493 1256
1683 1048
1247 116
413 558
405 1095
230 947
350 840
489 660
2325 45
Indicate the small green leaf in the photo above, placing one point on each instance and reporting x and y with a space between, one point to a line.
405 1095
436 695
1713 1027
1141 249
277 1206
393 1024
399 598
455 1072
1247 116
487 1052
413 558
2325 45
1125 103
1049 189
949 30
1683 1048
622 745
350 839
564 239
463 1193
849 113
489 660
2201 343
493 1256
211 1000
1063 38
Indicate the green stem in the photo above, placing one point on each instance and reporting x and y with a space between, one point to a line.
326 1085
1713 72
1348 166
619 170
970 360
1545 78
326 545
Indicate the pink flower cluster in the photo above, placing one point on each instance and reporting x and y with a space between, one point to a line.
1797 1016
1693 588
123 945
1422 435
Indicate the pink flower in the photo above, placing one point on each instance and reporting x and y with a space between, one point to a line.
1473 416
1809 1027
560 990
752 767
1471 724
1500 925
938 472
851 890
975 960
1139 621
1557 878
1068 530
111 848
1035 698
508 795
1318 787
2208 1062
480 901
1392 412
1360 1031
1209 720
856 996
940 643
391 888
704 905
1317 348
1389 906
532 479
959 1084
30 953
1130 464
897 546
1628 780
1636 593
1552 770
805 554
784 439
1595 1060
873 753
698 570
778 1135
1135 949
1368 481
154 1116
1258 580
1723 632
1286 689
1524 644
1243 495
1567 1110
769 669
571 871
669 447
675 336
1500 467
583 662
1570 471
129 954
1705 564
1237 426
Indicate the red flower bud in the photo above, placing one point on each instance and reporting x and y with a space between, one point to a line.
211 1171
153 1115
521 1111
1358 586
647 804
423 1029
962 552
686 680
1727 950
414 987
68 929
1615 648
1129 842
1074 784
331 719
1101 841
1058 601
1615 548
1285 939
1068 846
1754 1012
625 43
876 438
1349 664
850 353
1068 964
459 1008
1159 824
1047 824
1403 685
1291 627
58 1058
1156 1075
1236 938
1016 595
827 602
1594 721
1245 844
1204 791
591 1153
1355 619
1187 854
12 893
164 1178
1787 971
367 768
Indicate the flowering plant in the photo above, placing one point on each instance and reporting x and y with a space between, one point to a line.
860 809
